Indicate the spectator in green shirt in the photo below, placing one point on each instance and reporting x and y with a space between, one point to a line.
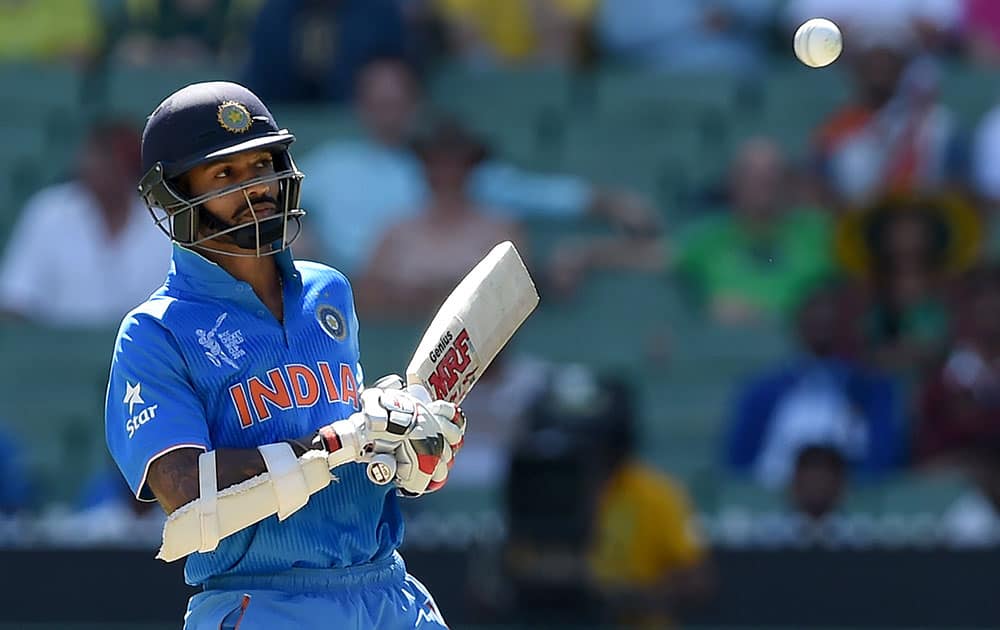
753 262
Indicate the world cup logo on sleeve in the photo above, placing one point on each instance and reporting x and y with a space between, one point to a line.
213 341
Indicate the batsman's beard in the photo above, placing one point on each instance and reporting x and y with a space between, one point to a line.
254 234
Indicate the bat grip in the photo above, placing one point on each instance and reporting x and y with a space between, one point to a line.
381 468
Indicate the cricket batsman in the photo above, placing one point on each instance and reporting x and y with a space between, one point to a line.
239 378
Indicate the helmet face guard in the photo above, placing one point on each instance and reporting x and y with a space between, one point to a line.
186 222
201 124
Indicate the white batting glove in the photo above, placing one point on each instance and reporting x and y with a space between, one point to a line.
388 416
425 457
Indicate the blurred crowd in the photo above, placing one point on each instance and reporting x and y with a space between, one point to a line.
313 49
878 251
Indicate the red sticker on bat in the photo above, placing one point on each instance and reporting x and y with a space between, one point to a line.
456 367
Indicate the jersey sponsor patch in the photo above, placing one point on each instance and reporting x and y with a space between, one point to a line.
456 365
221 346
331 321
133 397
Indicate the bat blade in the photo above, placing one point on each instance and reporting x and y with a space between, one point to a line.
473 324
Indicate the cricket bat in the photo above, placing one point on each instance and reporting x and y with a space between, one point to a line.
470 328
473 324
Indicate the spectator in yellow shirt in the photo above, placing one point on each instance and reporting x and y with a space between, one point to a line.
595 537
503 32
647 559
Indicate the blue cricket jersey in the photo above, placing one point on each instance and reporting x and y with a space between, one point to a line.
204 364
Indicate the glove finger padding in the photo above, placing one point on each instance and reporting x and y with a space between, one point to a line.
423 438
417 459
391 413
441 471
449 425
451 421
388 413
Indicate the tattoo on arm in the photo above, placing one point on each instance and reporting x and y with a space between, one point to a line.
173 477
234 465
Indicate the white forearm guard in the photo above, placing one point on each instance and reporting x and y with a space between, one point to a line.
283 489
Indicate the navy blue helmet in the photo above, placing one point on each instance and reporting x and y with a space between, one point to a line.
200 124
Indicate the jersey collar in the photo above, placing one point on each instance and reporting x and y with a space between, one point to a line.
191 271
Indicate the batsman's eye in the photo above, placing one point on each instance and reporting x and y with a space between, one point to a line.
224 173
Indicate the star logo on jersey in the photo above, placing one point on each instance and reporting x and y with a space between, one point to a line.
133 396
331 321
429 613
234 117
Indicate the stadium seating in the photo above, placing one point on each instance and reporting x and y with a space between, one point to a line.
665 137
53 384
922 494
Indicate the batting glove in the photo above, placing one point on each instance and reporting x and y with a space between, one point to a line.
425 457
388 416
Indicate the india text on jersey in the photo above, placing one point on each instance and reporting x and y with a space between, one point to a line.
293 385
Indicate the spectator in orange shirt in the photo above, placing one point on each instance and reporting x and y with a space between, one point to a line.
895 137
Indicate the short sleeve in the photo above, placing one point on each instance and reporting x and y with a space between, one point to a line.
151 406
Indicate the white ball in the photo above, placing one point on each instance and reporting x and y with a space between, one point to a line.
818 42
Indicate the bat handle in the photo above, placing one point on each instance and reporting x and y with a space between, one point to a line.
381 468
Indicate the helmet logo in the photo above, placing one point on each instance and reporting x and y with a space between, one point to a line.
234 117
